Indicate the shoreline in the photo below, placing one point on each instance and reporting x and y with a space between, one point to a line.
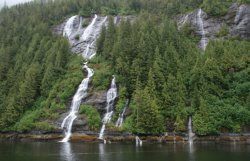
126 138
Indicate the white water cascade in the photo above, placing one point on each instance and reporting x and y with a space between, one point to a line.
111 96
138 141
90 34
74 108
190 131
85 46
89 29
68 29
204 40
119 122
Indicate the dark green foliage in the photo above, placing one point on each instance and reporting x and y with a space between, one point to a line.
46 109
151 65
217 7
157 66
168 79
92 115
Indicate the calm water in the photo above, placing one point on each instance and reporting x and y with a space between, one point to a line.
121 152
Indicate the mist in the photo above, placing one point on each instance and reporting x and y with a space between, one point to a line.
12 2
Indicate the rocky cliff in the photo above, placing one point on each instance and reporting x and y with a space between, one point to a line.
236 22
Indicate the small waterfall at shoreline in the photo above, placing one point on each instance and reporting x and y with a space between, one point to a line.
174 139
138 141
111 96
119 122
204 40
190 131
76 102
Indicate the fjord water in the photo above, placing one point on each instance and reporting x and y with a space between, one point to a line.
53 151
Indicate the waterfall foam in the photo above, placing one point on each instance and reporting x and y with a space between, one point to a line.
138 141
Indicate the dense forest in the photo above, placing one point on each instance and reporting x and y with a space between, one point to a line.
158 67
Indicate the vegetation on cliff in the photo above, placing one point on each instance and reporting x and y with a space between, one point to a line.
158 67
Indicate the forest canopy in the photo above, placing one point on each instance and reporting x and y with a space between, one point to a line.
158 67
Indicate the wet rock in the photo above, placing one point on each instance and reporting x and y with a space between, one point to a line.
242 22
97 99
83 32
80 124
237 20
83 137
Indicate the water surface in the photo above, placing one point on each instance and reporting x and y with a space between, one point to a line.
53 151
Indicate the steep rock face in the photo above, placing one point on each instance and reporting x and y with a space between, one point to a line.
98 100
82 33
237 20
241 25
211 25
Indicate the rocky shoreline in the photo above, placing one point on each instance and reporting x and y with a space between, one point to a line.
126 138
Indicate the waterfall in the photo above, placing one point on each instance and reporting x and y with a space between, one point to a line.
69 26
119 122
76 102
174 139
111 96
190 131
89 29
182 21
204 41
88 39
87 53
90 34
138 141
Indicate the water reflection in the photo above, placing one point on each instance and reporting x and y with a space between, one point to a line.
66 152
191 151
102 152
122 152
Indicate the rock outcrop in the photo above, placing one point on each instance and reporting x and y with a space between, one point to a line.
98 100
241 25
82 33
237 22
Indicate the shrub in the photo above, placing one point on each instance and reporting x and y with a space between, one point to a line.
44 126
77 37
224 31
92 115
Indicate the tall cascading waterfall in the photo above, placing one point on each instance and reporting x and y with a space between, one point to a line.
89 32
190 131
204 40
119 121
76 102
111 96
